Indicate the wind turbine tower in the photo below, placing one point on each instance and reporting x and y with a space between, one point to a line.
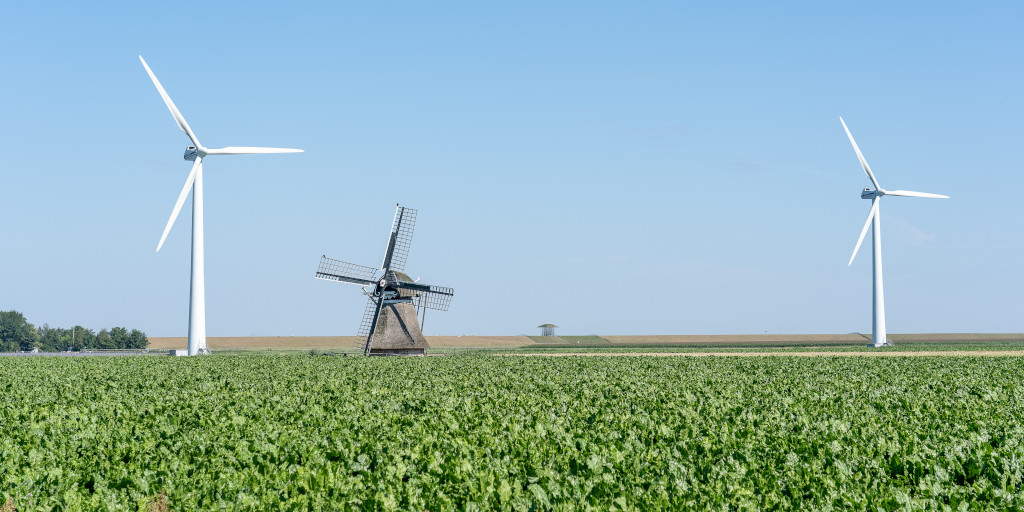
194 183
878 338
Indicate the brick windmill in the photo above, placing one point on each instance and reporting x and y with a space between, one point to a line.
395 301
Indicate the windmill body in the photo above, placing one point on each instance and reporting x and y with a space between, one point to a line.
878 333
195 153
394 300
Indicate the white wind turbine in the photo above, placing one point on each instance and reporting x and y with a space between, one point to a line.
196 153
878 317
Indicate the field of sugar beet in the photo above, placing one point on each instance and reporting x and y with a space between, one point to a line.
298 432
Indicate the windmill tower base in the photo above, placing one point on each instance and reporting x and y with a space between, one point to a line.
398 331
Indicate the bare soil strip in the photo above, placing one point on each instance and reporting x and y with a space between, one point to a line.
333 342
261 342
441 342
786 353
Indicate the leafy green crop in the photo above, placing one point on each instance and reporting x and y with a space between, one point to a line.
477 432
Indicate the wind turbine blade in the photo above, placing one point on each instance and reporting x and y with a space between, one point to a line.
181 200
863 162
908 193
180 119
867 224
242 150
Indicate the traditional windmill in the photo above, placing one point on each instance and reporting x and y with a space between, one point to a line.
389 325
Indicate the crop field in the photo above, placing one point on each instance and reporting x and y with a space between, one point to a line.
260 432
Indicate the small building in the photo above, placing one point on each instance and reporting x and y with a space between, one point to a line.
547 329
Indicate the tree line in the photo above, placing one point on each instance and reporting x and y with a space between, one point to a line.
17 334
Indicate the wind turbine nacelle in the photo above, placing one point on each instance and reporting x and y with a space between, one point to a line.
869 193
191 152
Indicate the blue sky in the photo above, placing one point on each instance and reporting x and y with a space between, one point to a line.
614 168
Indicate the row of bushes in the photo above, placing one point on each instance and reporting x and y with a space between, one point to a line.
17 334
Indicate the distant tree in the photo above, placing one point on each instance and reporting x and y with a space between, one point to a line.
137 339
46 337
65 341
119 336
84 338
53 339
103 340
16 333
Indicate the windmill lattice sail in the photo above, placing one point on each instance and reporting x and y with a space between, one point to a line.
343 271
439 298
365 324
401 230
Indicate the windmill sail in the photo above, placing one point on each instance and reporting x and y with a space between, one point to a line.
438 297
337 270
427 295
366 324
401 239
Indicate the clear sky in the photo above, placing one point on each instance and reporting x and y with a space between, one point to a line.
610 167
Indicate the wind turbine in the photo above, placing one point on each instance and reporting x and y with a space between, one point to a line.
875 195
196 153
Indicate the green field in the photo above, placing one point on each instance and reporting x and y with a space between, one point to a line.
482 432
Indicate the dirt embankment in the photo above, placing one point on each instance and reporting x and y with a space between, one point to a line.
260 342
333 342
